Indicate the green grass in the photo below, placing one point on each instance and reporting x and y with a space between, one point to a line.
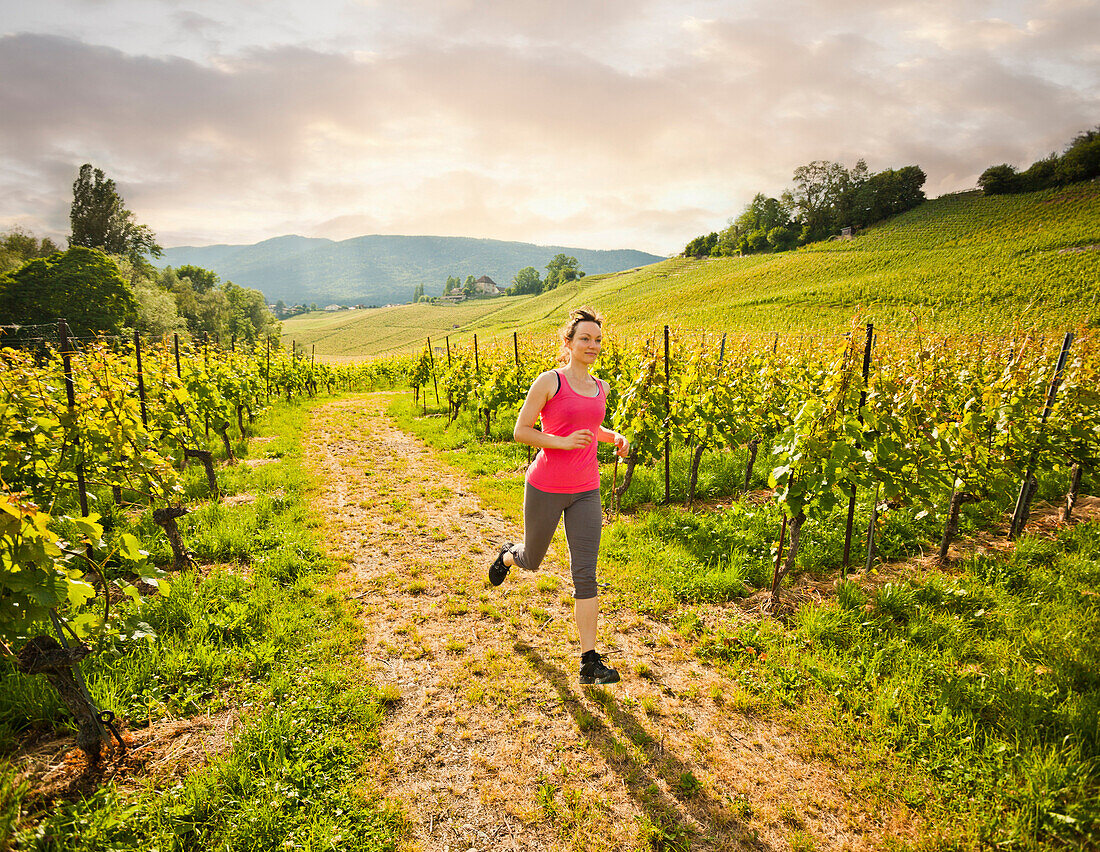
960 263
984 682
267 631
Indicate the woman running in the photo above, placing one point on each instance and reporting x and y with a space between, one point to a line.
565 477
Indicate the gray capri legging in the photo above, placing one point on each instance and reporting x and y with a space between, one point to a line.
583 524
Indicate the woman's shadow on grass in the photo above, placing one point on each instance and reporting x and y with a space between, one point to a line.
670 820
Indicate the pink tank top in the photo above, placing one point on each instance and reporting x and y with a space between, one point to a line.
569 471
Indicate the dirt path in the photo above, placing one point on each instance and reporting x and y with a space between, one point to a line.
493 744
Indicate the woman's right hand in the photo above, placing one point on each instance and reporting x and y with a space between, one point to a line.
578 440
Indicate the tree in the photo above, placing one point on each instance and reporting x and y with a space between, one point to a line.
17 247
1081 160
418 292
998 180
526 282
561 270
100 220
81 285
280 308
783 237
701 246
817 190
247 317
753 230
881 195
157 313
763 212
202 280
1041 175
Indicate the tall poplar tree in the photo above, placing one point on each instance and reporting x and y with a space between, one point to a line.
100 220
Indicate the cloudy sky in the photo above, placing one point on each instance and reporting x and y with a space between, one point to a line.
590 123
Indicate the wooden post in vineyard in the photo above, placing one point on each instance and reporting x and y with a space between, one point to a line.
435 381
179 376
668 425
267 370
1028 486
140 381
852 495
477 364
70 394
206 365
519 388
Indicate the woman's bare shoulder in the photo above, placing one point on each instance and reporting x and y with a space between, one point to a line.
545 383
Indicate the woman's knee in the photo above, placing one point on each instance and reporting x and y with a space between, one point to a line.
584 583
526 559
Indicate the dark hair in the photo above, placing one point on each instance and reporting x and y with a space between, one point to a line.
576 317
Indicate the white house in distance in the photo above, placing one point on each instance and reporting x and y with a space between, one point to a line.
488 286
484 286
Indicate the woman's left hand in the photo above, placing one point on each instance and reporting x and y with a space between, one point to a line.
622 445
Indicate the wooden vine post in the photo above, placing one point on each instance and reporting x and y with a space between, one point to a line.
206 367
852 494
1030 483
70 394
668 425
435 380
140 381
519 390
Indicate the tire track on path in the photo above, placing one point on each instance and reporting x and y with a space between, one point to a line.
493 744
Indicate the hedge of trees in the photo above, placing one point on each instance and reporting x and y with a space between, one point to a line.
826 197
1080 161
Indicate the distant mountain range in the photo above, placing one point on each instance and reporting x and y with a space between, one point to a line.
381 269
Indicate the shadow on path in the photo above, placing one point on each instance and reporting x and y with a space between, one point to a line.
686 817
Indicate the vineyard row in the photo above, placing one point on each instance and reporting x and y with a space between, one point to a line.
926 424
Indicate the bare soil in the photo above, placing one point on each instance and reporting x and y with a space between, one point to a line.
493 744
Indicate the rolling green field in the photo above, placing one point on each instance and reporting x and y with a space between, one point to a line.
958 263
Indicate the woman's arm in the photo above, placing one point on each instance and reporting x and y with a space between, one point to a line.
543 388
622 445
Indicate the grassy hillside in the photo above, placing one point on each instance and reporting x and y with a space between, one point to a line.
958 263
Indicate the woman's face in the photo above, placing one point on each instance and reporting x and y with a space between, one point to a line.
586 343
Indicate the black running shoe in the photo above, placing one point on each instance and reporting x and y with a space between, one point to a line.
594 671
498 570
